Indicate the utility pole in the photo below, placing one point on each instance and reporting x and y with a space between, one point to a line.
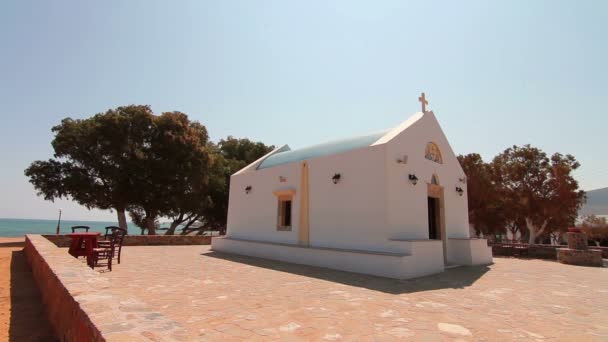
59 222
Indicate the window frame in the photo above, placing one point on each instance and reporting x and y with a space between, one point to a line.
429 155
282 214
284 196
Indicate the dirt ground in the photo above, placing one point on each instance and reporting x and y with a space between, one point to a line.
21 310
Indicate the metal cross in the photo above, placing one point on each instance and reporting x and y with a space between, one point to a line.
424 102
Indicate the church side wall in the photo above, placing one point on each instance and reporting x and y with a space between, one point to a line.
373 201
407 204
253 216
350 214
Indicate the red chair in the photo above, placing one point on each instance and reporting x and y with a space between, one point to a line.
85 228
107 237
108 252
109 231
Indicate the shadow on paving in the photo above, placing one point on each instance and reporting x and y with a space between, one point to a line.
455 278
28 320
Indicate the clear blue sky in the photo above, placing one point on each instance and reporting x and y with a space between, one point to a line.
302 72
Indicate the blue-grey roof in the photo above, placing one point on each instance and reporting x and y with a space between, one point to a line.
320 150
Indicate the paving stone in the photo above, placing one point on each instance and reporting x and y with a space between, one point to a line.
116 327
172 293
453 329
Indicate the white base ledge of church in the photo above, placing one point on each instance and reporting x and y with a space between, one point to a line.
414 240
469 252
321 248
383 264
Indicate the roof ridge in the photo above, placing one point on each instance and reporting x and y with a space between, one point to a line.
323 149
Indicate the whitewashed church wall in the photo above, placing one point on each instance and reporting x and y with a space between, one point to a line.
457 216
407 204
457 209
253 216
469 252
373 201
350 214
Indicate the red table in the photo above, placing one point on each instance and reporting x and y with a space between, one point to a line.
83 244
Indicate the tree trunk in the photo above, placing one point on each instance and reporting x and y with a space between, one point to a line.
150 225
555 238
191 221
534 230
122 219
172 227
531 231
513 229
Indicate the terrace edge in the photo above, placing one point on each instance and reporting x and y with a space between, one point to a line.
82 306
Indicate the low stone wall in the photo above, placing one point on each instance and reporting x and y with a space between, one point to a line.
68 320
81 305
581 257
144 240
161 240
541 251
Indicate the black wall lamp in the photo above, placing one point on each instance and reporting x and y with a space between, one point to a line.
336 178
413 179
248 189
459 191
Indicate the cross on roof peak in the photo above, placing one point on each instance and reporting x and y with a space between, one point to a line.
423 101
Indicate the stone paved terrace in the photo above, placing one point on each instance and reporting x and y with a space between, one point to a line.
226 297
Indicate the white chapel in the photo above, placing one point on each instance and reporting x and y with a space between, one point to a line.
390 203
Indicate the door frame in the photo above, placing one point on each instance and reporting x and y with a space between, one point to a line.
437 191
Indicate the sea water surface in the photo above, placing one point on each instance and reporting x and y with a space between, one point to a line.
20 227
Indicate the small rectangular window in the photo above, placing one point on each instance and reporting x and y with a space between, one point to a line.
287 222
284 221
284 207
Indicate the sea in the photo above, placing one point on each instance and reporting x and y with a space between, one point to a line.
19 227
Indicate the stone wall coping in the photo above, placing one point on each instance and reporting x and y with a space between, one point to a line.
544 245
582 250
91 310
144 240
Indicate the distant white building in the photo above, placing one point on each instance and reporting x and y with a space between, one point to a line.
390 203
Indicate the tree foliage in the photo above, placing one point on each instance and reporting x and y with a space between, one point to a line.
596 229
128 159
524 191
538 190
231 155
92 163
483 195
172 169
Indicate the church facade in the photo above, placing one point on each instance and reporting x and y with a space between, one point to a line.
390 203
